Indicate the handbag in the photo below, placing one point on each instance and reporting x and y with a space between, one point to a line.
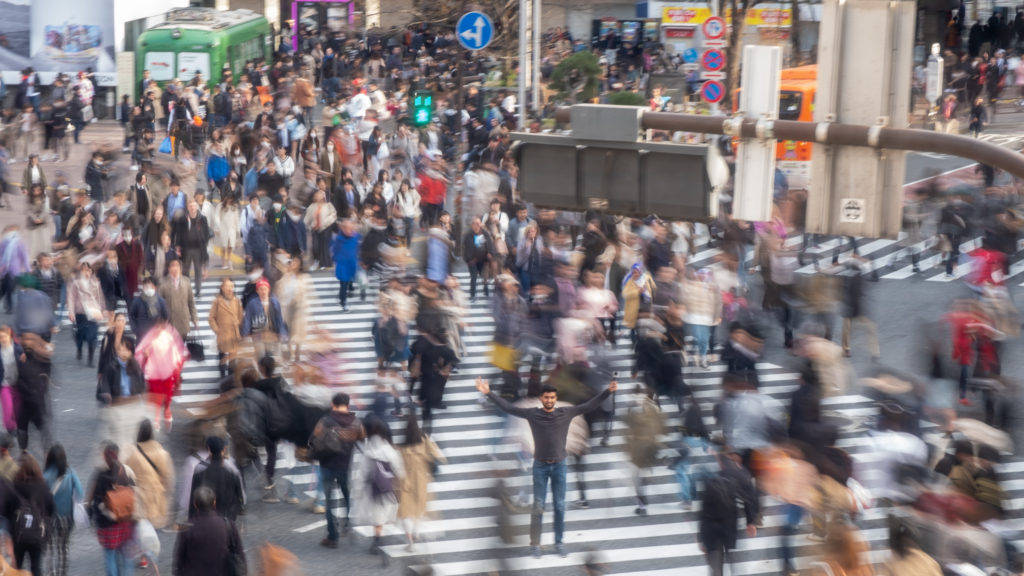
503 357
165 145
195 349
87 114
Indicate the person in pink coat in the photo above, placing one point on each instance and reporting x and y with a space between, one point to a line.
161 354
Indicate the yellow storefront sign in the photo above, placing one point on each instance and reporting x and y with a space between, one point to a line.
777 17
684 15
769 17
695 16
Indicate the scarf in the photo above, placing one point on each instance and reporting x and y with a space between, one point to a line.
151 307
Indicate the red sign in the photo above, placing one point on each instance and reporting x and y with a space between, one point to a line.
773 33
679 32
714 28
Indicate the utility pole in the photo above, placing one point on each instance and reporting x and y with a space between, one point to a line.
460 104
521 77
537 54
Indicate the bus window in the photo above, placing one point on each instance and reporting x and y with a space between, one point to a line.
191 62
160 65
789 105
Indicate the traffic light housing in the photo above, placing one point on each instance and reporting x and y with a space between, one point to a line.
422 107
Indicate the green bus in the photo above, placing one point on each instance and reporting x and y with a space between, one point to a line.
203 40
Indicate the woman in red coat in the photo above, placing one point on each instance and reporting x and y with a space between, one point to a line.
972 333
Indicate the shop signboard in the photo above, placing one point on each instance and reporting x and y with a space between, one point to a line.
53 36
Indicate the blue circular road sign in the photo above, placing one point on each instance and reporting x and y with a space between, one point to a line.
713 60
712 91
474 30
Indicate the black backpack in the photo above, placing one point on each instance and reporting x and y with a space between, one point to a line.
325 441
29 526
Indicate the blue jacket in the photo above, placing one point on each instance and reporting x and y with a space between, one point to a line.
250 181
217 168
291 235
437 260
254 316
345 250
256 243
139 318
70 490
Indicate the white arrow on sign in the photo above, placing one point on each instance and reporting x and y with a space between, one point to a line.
475 38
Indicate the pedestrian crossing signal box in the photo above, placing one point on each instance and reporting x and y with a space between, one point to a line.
629 178
422 107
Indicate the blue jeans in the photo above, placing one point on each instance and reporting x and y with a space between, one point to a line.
556 472
328 477
117 563
686 473
702 338
793 514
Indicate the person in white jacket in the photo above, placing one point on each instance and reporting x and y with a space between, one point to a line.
227 223
376 478
408 201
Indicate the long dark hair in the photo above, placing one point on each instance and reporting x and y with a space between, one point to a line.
145 431
57 459
413 432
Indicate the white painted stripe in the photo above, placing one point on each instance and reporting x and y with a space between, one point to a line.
611 556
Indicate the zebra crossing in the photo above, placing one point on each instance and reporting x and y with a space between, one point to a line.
889 259
463 536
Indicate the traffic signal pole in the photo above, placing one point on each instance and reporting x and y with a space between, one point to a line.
835 134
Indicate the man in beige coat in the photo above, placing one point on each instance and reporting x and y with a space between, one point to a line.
176 290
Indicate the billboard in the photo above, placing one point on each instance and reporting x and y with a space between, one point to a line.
55 36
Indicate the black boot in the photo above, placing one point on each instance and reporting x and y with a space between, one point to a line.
375 547
92 353
78 356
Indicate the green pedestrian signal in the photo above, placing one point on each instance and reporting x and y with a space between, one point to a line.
422 107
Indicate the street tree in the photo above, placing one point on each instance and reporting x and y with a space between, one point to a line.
576 77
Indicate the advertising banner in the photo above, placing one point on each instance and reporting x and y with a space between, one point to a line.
684 15
55 36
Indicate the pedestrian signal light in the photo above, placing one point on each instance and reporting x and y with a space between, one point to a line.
422 107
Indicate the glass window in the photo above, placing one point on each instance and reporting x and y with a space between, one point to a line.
789 105
191 62
160 65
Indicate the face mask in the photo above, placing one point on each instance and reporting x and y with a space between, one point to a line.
295 217
149 292
11 235
330 146
112 263
277 206
85 234
99 163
